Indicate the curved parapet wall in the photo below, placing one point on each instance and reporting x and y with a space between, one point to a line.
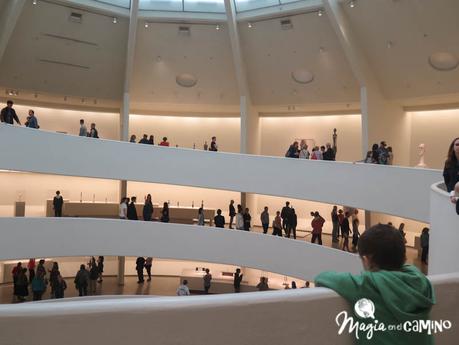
294 317
444 233
393 190
57 237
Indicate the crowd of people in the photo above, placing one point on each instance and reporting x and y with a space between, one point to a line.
35 278
381 154
301 150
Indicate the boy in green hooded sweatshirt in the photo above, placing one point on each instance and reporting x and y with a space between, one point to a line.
389 298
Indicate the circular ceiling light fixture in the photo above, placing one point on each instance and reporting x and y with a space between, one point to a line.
186 80
443 61
302 76
320 13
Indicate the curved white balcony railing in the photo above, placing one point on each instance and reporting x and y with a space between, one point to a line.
444 232
57 237
293 317
393 190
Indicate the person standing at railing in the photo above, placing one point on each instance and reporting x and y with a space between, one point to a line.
83 130
451 169
201 219
329 154
285 215
304 153
148 264
58 203
264 217
139 266
335 222
277 225
165 213
247 219
147 209
345 230
82 280
8 114
232 213
164 142
317 224
293 151
237 280
144 139
219 220
239 218
131 210
213 145
123 208
207 281
93 133
292 223
425 245
32 121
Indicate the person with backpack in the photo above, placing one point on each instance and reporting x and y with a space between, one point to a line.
38 286
81 281
60 287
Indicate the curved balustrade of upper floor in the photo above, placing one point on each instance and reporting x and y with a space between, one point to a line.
58 237
393 190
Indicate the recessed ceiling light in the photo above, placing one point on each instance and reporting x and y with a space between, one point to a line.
146 24
443 61
158 58
249 24
217 27
115 20
351 4
34 2
302 76
186 80
320 13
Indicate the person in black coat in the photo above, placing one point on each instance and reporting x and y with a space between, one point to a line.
329 154
219 220
131 210
292 223
237 280
8 114
451 170
165 213
139 265
148 209
232 213
284 215
58 202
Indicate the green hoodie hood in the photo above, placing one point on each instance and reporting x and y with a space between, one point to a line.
407 294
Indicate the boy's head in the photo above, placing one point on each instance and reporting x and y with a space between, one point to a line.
219 212
382 247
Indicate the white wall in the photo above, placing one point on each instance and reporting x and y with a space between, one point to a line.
55 237
444 233
388 189
186 131
61 120
278 133
436 129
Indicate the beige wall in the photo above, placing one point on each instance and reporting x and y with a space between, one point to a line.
68 121
279 132
34 189
436 129
184 131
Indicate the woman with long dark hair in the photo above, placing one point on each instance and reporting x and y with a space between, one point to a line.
165 213
451 170
147 209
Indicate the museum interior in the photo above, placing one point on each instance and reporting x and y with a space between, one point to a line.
198 104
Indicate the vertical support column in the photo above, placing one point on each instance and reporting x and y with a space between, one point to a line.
8 19
125 108
381 119
250 129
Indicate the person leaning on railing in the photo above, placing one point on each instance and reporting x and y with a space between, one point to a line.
451 172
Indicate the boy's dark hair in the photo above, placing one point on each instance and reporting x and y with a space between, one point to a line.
384 246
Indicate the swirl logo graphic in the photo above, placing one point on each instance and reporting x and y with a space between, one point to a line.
365 308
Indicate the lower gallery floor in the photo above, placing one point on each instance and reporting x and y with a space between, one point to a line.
167 275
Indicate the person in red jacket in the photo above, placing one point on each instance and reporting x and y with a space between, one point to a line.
317 225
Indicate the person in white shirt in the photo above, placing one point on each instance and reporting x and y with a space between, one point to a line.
83 129
304 153
183 289
239 218
123 209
